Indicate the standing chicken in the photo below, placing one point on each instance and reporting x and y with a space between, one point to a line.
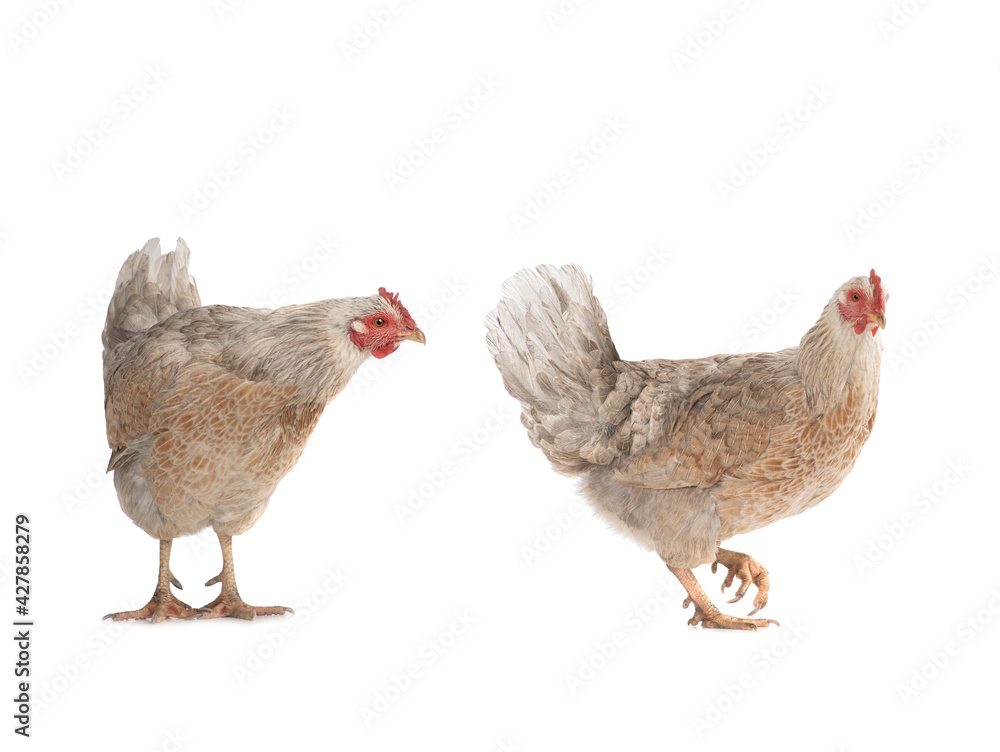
209 407
683 454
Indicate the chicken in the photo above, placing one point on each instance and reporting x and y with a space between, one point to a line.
207 408
681 455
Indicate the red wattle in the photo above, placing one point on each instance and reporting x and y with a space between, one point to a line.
389 349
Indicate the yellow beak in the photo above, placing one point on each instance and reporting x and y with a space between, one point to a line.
876 318
415 334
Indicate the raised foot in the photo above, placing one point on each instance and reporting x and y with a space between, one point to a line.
747 570
161 606
238 609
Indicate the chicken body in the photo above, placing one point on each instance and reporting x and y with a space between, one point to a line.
682 454
199 393
208 408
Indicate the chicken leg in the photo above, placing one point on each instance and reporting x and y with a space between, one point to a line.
705 612
164 603
229 602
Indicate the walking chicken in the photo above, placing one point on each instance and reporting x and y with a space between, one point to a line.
207 408
682 454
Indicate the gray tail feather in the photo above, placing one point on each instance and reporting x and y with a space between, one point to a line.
549 338
150 288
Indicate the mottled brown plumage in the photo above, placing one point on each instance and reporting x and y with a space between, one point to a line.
207 408
682 454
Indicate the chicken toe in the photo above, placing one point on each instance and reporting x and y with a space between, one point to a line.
161 606
236 607
719 620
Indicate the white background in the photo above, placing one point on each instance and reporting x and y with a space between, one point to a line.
853 634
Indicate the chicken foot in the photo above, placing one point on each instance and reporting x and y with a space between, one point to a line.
748 570
164 604
229 602
705 612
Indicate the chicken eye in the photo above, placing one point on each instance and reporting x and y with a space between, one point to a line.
855 296
379 322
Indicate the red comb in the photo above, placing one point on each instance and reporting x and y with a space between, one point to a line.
877 284
393 299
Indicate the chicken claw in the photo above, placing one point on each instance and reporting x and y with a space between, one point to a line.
705 612
161 606
724 621
229 602
748 570
164 604
226 605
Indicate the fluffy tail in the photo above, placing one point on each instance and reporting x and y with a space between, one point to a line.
150 288
549 337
